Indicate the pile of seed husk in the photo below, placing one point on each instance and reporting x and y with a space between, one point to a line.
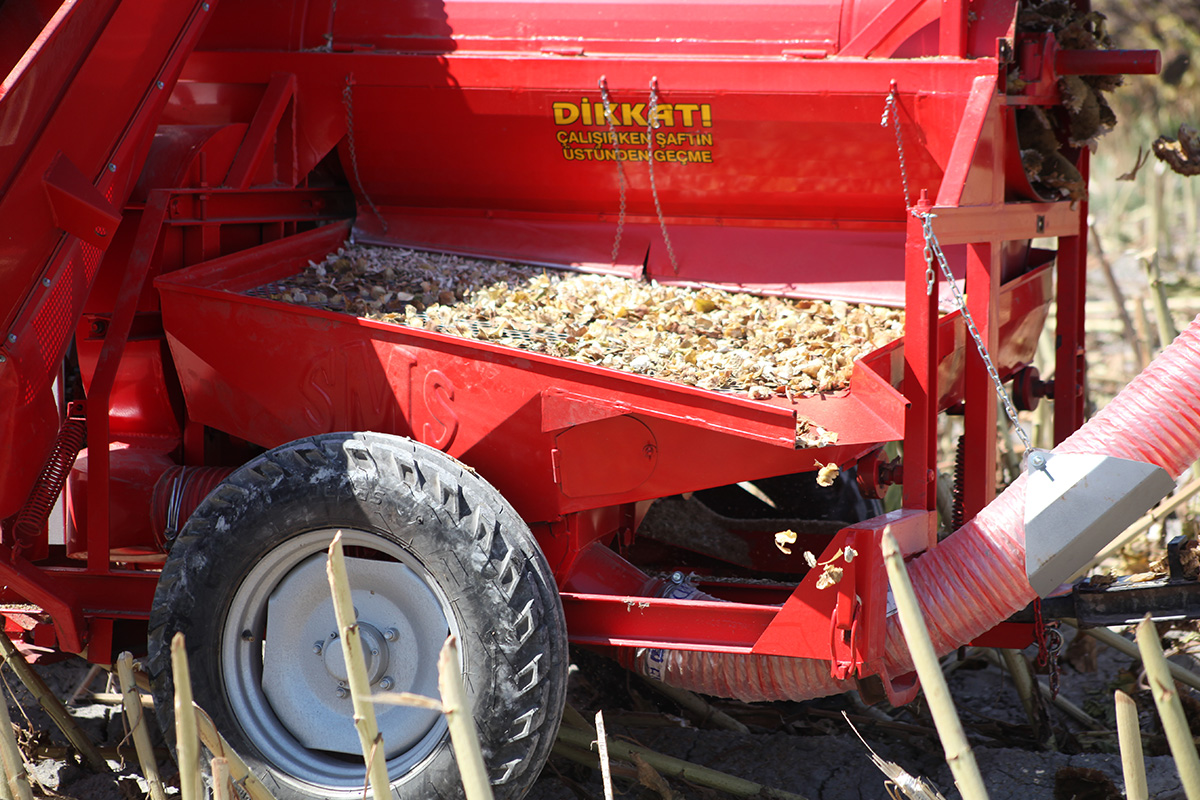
706 337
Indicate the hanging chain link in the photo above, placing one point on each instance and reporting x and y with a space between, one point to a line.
651 125
1049 641
933 251
621 182
891 110
348 102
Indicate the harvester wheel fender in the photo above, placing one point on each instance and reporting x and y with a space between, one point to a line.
432 549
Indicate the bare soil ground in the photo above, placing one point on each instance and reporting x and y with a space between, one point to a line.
804 748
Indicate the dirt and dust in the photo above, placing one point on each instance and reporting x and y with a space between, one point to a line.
804 748
809 749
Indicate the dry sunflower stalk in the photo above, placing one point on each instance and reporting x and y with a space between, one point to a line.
765 347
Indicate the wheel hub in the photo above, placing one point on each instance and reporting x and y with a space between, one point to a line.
402 627
375 653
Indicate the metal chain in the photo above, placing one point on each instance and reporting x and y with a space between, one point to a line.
651 125
612 134
1049 641
891 111
348 102
934 250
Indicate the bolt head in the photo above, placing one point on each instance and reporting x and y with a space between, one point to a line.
1037 460
676 577
318 647
391 634
341 692
386 683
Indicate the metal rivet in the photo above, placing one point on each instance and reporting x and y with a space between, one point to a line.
3 359
386 683
46 282
12 337
112 167
318 647
204 6
158 84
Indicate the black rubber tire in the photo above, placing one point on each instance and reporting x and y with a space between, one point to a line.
470 541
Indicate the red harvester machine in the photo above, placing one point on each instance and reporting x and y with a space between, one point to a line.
161 160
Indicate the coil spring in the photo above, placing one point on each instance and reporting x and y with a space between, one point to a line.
33 515
959 491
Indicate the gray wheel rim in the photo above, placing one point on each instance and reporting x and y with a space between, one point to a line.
279 625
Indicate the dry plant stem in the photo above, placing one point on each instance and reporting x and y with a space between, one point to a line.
602 747
1158 296
1120 643
407 699
1129 735
959 755
1142 320
14 764
697 706
356 670
677 767
463 735
61 752
1150 518
1018 668
82 688
1130 332
137 727
1192 217
1162 688
117 699
238 770
1061 703
52 705
588 759
187 745
572 717
222 789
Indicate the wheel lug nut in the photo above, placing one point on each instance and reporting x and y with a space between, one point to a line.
391 634
386 683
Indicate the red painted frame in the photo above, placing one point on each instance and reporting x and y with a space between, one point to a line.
575 448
